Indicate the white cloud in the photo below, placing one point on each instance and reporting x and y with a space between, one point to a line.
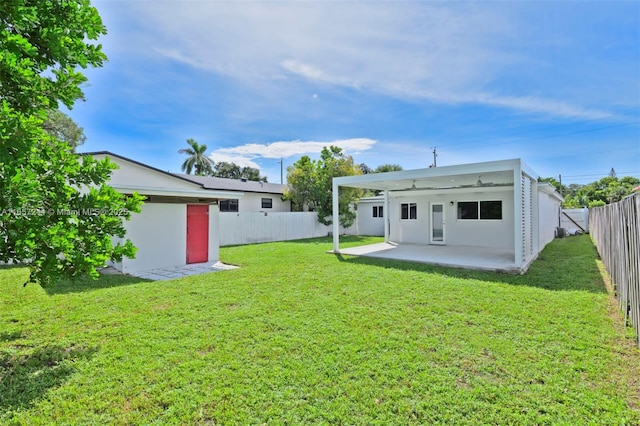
445 53
244 155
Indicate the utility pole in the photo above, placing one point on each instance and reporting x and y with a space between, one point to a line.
434 156
560 180
281 180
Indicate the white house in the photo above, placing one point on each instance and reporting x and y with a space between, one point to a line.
178 224
370 216
494 207
258 196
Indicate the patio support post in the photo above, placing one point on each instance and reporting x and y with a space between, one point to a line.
386 216
336 217
517 216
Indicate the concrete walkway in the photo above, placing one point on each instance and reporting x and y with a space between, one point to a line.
162 274
482 258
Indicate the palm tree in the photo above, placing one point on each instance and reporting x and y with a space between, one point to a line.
196 159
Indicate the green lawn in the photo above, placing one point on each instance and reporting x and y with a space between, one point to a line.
298 336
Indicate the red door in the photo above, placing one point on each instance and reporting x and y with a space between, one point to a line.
197 233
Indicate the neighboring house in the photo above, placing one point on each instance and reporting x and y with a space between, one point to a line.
370 216
258 196
179 221
497 206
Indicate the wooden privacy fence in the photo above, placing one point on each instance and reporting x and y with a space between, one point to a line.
615 230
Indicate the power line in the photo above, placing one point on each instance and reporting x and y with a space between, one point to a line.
556 135
600 174
627 116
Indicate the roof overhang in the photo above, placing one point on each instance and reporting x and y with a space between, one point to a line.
547 188
492 174
173 192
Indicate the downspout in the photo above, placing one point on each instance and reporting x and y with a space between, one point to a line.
336 217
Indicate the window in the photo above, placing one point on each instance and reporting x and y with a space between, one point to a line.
377 211
409 211
229 206
467 209
491 210
483 210
267 203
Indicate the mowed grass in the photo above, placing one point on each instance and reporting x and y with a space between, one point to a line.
299 336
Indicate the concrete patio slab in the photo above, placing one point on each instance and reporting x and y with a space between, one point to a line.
162 274
480 258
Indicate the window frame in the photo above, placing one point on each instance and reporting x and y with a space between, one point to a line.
226 206
269 202
411 208
479 210
378 211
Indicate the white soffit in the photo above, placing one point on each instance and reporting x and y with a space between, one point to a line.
493 173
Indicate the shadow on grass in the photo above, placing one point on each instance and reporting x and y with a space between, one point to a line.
344 239
29 376
83 284
564 265
20 275
9 336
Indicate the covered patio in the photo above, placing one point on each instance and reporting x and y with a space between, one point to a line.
478 258
490 216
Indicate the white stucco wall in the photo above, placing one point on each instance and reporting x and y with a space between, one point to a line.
484 233
129 174
366 224
252 202
160 234
214 233
548 211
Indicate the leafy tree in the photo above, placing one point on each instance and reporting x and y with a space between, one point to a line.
251 173
365 169
197 159
56 211
228 170
607 190
310 184
388 168
380 169
60 126
224 169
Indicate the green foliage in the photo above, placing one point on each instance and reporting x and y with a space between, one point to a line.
57 216
196 159
388 168
299 337
310 184
380 169
607 190
60 126
228 170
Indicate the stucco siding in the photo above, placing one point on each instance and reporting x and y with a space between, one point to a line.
214 233
549 210
160 234
252 202
129 174
366 223
485 233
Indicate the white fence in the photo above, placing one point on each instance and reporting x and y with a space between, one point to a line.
249 228
616 233
575 219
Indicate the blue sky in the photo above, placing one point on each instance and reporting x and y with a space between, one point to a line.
554 83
